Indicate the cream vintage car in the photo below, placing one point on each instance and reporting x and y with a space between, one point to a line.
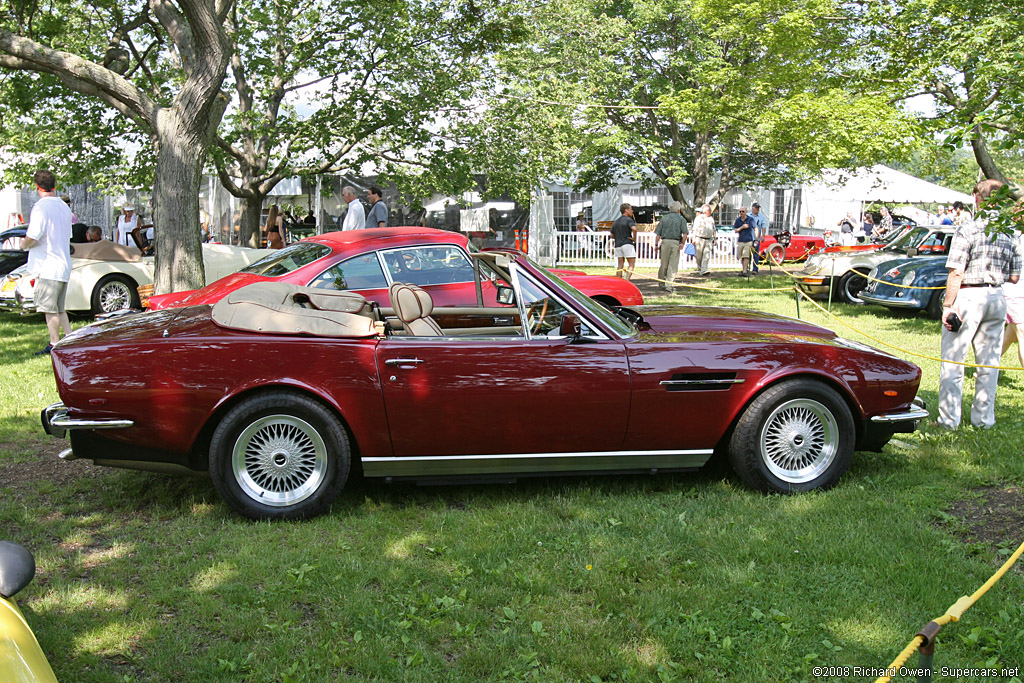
105 276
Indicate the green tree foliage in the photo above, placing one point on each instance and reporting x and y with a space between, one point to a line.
157 65
326 86
966 55
749 93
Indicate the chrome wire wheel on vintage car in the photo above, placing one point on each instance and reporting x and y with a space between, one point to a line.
279 460
113 293
799 440
796 435
279 454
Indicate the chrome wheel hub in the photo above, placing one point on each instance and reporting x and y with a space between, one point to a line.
115 296
799 440
279 460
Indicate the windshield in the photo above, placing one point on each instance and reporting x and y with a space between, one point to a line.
617 324
288 259
911 239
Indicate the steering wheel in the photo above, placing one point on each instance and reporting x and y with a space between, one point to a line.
535 325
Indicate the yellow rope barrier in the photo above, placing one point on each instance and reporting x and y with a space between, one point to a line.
953 613
897 348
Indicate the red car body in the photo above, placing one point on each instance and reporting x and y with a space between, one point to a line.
574 388
799 247
338 247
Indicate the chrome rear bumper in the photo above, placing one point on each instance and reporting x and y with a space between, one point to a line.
56 421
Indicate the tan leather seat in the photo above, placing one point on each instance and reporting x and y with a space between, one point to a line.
413 307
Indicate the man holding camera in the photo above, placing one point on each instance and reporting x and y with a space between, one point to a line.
973 313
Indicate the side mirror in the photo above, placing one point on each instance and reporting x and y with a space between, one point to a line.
911 251
571 327
506 295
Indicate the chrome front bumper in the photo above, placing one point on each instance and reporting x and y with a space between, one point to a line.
56 421
917 412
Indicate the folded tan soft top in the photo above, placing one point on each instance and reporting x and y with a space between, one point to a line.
105 250
279 308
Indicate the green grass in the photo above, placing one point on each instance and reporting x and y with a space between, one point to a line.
677 577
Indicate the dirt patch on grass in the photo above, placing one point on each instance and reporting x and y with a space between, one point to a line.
995 517
44 465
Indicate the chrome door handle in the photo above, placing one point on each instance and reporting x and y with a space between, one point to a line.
402 361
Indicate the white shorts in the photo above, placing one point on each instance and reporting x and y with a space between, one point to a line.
625 251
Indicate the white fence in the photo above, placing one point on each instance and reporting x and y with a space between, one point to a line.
596 249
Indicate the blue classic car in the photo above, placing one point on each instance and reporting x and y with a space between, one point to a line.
903 284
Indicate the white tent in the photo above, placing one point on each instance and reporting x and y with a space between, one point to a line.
889 186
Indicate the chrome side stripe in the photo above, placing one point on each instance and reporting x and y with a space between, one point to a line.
514 456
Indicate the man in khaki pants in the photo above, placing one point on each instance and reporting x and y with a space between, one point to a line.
670 232
703 238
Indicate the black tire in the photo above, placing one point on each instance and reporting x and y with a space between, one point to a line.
934 308
279 455
797 435
851 285
114 292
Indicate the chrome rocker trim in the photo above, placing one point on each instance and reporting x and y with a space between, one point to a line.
56 421
520 463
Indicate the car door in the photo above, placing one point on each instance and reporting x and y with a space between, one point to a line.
537 401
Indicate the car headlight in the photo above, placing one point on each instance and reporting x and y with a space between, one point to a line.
909 277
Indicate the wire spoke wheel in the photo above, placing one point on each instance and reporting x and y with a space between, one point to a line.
799 440
279 460
114 296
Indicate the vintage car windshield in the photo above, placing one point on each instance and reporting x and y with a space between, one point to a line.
621 327
288 259
911 239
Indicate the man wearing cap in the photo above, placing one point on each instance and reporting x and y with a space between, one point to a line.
48 241
744 229
978 264
127 222
760 224
703 238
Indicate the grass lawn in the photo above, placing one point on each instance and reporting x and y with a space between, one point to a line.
145 577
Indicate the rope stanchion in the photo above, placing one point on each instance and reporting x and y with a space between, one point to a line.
926 636
894 347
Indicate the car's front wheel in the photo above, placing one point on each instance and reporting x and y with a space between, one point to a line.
279 455
851 285
797 435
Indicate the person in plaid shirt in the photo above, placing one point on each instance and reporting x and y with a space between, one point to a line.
978 265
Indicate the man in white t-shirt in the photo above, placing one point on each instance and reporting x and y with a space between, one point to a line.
355 217
127 222
48 241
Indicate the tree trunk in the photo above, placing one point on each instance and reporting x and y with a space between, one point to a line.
701 170
250 234
180 154
981 155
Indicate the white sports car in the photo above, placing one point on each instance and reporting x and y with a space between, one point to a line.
105 277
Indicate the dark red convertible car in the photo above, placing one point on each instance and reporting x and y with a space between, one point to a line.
279 391
369 261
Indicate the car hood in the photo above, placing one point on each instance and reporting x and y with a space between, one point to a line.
210 294
707 323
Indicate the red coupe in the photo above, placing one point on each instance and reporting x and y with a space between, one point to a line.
280 391
370 261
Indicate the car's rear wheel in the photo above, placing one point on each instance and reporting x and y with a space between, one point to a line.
114 292
279 455
851 285
608 302
797 435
